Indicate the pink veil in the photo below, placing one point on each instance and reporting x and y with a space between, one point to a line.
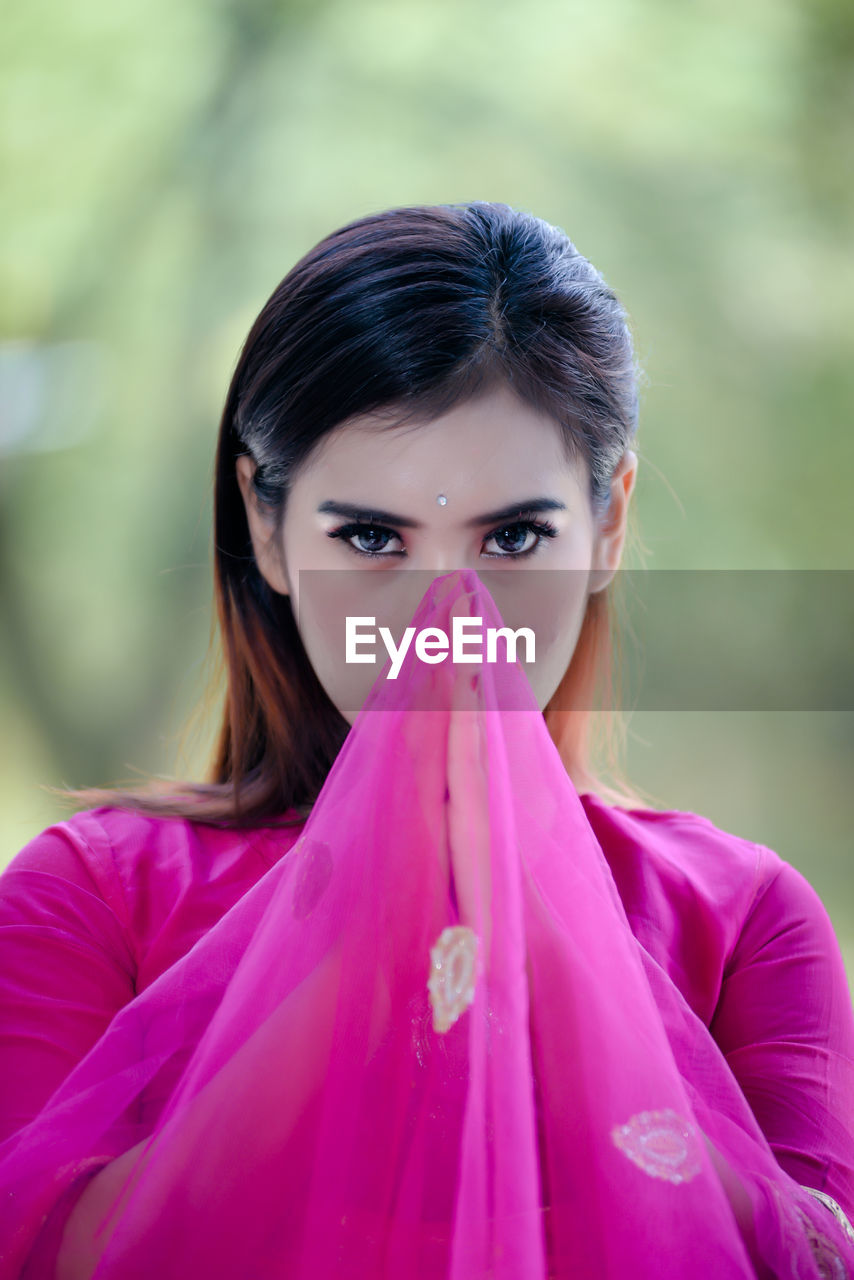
425 1044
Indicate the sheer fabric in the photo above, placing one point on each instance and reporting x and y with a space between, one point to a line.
425 1043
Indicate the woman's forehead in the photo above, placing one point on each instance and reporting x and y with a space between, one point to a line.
479 446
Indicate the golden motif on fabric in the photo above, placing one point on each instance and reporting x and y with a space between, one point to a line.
662 1143
824 1251
451 983
835 1208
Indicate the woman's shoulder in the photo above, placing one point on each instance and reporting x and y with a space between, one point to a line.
162 881
681 842
704 900
125 854
137 835
679 870
677 856
98 843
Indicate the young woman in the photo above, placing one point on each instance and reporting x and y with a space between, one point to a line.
398 992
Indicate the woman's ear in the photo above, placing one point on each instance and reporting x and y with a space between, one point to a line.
268 556
610 531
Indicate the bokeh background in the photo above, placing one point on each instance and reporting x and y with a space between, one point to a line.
167 161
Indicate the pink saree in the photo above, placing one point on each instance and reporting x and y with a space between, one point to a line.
425 1044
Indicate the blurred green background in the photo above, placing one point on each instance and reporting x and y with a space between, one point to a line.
167 161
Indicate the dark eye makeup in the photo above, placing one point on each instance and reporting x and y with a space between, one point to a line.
515 531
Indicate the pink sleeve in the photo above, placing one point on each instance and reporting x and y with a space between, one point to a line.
66 962
786 1026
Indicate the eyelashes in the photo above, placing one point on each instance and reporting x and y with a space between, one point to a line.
381 535
362 529
542 530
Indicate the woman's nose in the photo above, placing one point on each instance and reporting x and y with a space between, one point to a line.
439 559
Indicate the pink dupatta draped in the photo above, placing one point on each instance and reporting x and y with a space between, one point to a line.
426 1044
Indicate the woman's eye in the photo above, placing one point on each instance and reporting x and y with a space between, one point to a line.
511 541
367 539
515 539
372 540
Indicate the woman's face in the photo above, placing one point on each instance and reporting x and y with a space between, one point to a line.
365 505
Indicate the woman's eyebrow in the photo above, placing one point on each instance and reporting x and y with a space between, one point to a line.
373 515
531 507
